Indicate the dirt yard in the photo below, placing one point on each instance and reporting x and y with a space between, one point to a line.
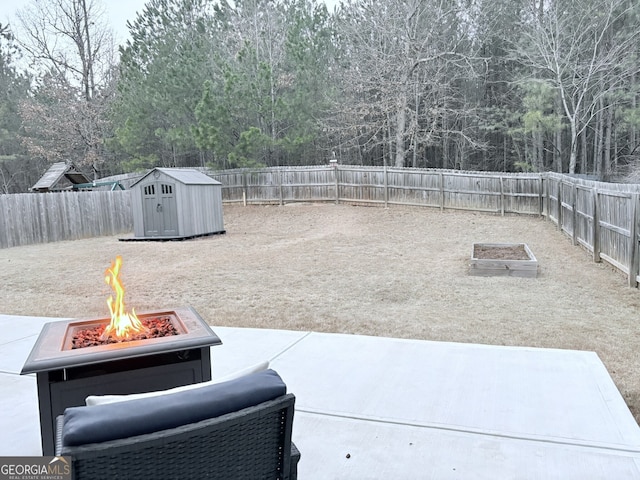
397 272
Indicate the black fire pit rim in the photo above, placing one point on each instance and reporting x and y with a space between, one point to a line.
41 361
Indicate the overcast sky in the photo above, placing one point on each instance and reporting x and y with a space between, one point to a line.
118 12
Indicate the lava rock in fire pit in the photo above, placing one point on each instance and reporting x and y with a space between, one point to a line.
155 327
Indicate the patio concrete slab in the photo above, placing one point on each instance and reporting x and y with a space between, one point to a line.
18 327
19 422
17 336
244 347
404 408
556 395
347 449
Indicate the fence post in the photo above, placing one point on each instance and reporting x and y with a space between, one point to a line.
559 204
244 188
440 174
280 181
386 188
501 196
633 238
574 201
541 196
335 177
596 225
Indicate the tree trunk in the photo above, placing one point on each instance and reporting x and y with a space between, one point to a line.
615 151
573 156
401 124
608 120
88 56
539 151
445 142
389 142
584 155
416 123
557 152
504 153
597 144
634 105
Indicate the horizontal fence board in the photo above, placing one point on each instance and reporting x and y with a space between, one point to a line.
611 260
621 231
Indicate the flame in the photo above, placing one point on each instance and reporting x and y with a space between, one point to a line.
123 325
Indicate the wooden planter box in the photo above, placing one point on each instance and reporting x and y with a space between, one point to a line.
503 259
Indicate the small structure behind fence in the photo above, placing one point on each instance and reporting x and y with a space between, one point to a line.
601 217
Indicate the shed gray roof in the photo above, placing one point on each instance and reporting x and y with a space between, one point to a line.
187 176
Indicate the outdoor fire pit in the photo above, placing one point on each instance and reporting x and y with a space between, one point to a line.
503 259
67 375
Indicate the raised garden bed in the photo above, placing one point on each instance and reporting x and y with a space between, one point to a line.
503 259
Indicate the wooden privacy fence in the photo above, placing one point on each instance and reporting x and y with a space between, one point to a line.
444 189
28 218
602 217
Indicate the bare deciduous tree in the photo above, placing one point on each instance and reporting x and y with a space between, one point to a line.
577 49
406 59
72 49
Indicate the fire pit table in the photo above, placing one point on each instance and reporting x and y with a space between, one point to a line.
67 375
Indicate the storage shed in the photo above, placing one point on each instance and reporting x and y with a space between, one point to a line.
175 204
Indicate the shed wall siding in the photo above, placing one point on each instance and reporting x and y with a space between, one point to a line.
204 203
136 210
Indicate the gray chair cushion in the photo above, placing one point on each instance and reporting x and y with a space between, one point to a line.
112 421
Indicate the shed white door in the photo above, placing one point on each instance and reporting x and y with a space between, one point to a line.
159 210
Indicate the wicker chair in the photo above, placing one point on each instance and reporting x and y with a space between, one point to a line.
252 443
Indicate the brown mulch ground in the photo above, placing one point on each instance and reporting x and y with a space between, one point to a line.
495 252
397 272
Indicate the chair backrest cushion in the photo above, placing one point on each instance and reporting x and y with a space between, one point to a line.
101 399
113 421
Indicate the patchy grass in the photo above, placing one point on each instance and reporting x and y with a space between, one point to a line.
396 272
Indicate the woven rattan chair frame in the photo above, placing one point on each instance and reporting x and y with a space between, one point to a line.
252 444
